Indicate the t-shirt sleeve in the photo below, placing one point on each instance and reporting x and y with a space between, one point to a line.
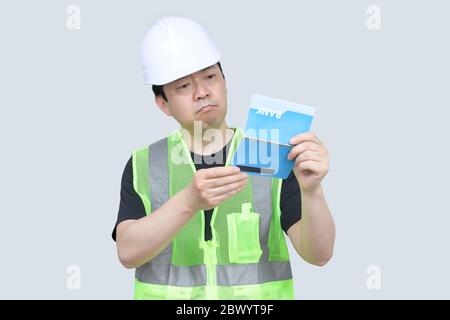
290 202
131 206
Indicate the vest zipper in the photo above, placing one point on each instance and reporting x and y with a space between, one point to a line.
210 257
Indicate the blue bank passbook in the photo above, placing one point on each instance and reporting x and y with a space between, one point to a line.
271 123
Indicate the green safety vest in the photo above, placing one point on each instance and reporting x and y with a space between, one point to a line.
247 257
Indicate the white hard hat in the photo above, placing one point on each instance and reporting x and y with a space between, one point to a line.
175 47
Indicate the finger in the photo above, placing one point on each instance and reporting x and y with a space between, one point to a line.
302 147
227 188
314 166
224 196
306 136
308 155
220 171
217 182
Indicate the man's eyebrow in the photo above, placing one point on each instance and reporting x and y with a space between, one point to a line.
202 70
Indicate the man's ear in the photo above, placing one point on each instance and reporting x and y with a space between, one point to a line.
162 104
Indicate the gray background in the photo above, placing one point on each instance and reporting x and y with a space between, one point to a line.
73 107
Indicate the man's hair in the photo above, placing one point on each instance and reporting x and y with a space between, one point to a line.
159 90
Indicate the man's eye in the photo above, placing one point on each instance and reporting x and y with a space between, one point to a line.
211 76
183 86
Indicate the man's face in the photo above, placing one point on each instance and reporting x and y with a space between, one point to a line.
188 97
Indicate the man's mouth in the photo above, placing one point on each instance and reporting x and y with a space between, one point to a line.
206 108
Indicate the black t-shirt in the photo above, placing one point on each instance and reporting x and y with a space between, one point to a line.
131 206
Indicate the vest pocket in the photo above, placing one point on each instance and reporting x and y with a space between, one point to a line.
243 236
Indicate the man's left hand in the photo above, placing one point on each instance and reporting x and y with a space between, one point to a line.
311 160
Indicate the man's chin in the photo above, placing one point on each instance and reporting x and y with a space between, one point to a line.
206 125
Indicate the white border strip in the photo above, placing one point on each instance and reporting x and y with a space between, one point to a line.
259 101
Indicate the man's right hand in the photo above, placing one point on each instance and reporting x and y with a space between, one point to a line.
210 187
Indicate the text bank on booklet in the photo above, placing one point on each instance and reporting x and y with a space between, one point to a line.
271 123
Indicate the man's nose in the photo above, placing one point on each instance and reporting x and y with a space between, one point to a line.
201 91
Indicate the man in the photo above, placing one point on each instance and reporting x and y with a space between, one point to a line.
195 227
